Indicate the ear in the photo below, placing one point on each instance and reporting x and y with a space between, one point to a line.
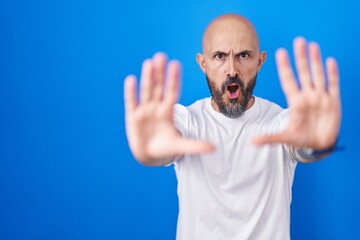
262 59
201 61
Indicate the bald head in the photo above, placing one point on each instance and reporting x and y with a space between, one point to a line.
230 29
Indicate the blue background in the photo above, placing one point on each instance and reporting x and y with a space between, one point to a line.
65 168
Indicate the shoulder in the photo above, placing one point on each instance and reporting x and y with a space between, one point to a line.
267 104
267 109
183 115
195 107
274 114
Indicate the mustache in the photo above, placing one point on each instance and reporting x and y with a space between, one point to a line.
232 80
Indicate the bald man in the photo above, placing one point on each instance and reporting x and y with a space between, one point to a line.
234 153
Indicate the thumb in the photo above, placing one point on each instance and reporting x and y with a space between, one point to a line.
190 146
269 139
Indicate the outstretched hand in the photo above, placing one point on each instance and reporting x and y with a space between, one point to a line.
315 108
152 136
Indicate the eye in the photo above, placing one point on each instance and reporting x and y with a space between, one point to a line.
244 55
220 56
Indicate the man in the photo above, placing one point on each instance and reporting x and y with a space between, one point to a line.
234 154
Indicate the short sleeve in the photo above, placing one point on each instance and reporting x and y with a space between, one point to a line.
279 124
181 119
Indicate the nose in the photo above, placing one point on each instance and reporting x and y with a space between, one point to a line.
232 69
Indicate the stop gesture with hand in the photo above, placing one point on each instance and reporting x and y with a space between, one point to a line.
150 129
315 108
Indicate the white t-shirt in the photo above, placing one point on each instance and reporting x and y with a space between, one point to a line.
241 191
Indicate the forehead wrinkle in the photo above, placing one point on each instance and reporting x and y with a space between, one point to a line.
232 45
231 49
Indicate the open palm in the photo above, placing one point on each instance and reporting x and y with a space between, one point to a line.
315 108
152 136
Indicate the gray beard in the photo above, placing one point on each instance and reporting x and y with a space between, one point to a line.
236 107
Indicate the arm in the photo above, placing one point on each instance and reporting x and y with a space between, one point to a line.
150 130
315 108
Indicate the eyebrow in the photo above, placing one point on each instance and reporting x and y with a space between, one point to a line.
236 54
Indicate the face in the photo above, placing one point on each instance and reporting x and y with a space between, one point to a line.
231 61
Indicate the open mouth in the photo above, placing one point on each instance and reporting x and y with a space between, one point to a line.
233 91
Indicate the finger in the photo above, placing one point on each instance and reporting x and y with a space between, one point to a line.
130 96
333 77
286 74
194 147
173 82
159 75
270 139
301 62
146 81
317 67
